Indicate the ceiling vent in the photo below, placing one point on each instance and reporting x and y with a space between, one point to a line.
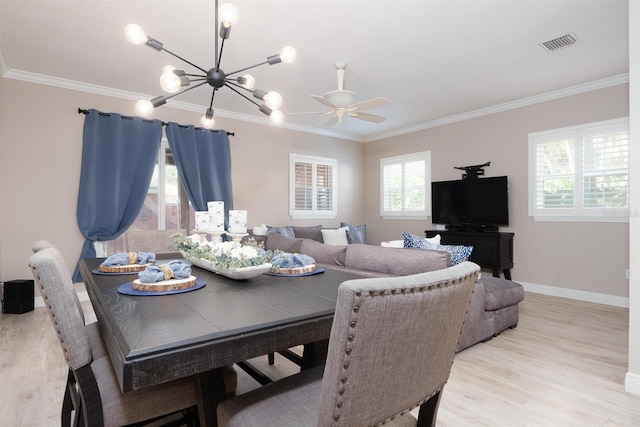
561 42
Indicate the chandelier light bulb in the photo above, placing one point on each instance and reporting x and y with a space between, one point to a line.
135 34
208 123
249 81
273 100
169 81
288 54
229 14
276 117
144 107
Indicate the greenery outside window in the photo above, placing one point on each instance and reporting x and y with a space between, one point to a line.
405 186
313 187
580 173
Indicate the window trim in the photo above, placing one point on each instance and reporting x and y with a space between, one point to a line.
314 161
403 159
578 213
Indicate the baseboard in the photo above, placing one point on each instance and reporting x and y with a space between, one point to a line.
576 294
632 383
82 295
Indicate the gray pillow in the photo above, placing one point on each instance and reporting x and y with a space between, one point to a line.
324 254
277 241
312 232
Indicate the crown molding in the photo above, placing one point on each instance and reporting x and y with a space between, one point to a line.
117 93
549 96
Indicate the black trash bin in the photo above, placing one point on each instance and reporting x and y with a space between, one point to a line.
17 297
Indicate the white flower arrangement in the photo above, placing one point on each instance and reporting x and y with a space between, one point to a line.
222 255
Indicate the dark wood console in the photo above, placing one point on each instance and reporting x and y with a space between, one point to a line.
491 249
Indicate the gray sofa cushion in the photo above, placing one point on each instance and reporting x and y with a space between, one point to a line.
500 293
313 232
395 261
276 241
324 254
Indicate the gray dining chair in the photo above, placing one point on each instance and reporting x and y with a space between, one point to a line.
98 348
390 350
100 402
156 241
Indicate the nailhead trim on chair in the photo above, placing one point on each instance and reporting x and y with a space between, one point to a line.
353 322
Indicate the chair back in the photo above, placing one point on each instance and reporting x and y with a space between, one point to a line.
42 244
53 278
392 343
156 241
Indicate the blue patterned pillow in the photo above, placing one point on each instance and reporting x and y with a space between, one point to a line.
356 234
458 253
283 231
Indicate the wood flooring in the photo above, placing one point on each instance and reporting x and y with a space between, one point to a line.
564 365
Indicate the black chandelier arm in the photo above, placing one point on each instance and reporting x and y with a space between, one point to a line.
185 90
241 94
213 94
247 68
219 58
236 84
184 60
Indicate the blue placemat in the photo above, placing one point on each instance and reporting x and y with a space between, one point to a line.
127 289
316 271
106 273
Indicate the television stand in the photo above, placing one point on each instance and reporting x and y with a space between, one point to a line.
492 250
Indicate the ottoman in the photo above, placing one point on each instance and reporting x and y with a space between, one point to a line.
501 296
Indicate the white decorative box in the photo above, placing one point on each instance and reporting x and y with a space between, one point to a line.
237 221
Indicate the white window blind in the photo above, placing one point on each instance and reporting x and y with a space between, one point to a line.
580 173
405 185
313 182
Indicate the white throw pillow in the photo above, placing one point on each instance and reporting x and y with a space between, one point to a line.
335 237
435 240
393 244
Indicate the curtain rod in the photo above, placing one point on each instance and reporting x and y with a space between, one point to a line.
83 111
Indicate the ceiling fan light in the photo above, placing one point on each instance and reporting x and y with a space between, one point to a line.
273 100
288 54
144 107
135 34
341 98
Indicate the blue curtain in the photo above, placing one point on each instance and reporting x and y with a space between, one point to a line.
118 158
203 160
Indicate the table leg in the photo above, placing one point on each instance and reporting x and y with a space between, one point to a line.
210 392
314 354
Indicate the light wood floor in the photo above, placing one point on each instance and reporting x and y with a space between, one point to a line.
564 365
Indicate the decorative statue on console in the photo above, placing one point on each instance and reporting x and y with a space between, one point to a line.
474 171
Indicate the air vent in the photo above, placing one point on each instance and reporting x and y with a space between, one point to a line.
561 42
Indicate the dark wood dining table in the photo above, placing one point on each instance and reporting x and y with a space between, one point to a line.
158 338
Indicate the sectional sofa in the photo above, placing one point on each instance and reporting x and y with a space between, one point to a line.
494 304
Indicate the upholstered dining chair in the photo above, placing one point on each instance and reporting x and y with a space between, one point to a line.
71 401
100 401
391 349
157 241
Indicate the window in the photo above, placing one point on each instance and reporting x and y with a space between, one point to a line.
580 173
166 206
405 186
313 187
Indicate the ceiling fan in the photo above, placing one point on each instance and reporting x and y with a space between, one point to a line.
342 102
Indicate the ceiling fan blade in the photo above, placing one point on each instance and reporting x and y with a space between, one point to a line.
368 117
312 112
332 121
323 100
369 104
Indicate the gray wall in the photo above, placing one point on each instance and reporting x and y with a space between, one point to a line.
40 150
583 256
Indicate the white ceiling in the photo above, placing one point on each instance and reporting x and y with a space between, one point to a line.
436 60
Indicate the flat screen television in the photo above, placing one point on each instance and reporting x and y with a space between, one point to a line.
471 204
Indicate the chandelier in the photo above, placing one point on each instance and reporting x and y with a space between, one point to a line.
176 82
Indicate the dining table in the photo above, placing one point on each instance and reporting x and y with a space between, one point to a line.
153 338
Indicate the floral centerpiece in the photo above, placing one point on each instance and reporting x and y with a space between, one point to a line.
231 259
